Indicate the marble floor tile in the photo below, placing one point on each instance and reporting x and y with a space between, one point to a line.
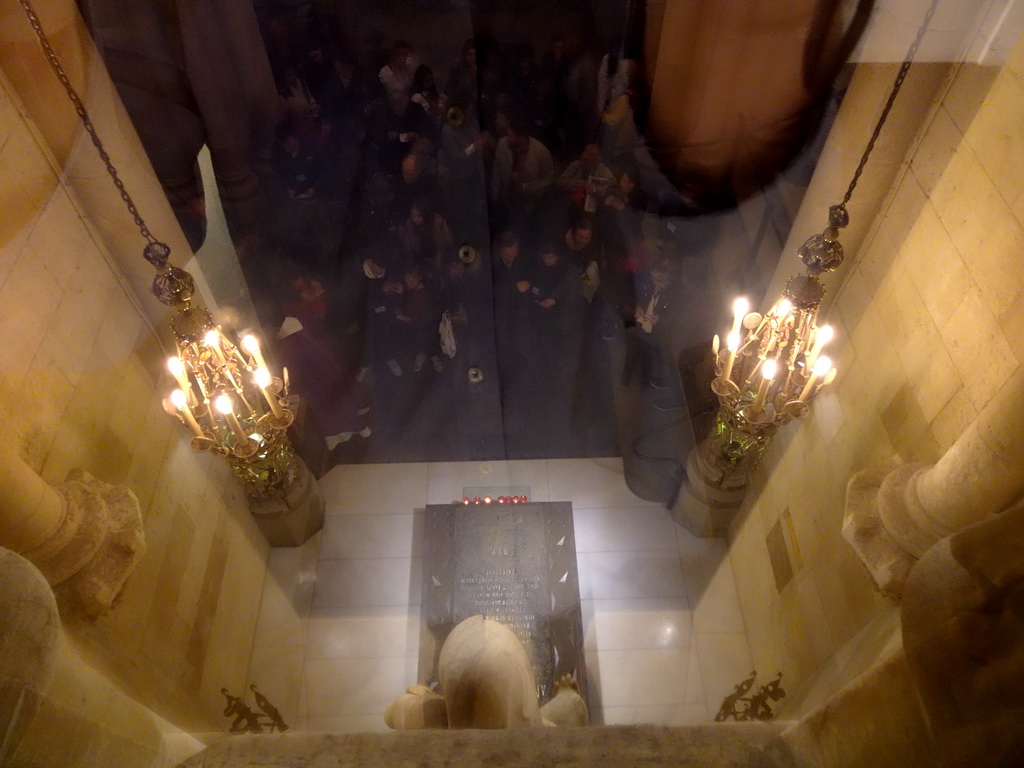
277 674
591 484
700 555
280 623
583 572
715 601
366 489
724 662
287 594
642 677
367 582
367 536
353 686
362 637
695 695
657 714
589 627
338 632
649 623
617 575
446 480
627 529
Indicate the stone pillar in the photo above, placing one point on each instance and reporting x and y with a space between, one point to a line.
894 515
291 519
29 636
84 535
708 497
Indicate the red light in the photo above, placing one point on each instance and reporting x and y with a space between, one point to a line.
487 499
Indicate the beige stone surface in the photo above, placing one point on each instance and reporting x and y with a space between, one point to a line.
81 379
720 744
930 323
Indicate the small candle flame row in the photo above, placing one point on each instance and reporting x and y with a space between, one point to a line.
222 374
779 354
489 500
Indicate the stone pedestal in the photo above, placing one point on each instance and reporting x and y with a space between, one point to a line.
708 498
84 535
895 514
289 520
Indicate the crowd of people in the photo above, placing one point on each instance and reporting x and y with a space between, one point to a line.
499 199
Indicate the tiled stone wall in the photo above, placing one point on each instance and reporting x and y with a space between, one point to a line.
81 380
930 323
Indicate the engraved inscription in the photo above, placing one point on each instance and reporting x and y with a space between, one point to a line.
516 566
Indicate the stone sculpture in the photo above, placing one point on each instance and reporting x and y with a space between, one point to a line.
963 633
487 682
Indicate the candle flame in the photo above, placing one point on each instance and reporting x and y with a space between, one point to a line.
179 400
176 367
262 377
822 366
250 344
224 404
732 342
768 369
740 307
212 338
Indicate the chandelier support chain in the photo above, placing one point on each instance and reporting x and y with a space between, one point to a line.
771 366
901 75
83 114
226 396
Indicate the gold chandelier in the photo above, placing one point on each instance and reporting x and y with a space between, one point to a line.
228 400
772 366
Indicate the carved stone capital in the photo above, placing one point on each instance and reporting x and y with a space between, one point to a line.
97 545
887 524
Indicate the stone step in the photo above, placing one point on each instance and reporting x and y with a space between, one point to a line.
722 745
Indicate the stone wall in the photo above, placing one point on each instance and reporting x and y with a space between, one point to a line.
929 323
81 381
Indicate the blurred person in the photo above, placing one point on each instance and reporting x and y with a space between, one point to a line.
523 172
424 93
426 237
512 307
417 317
587 179
651 341
396 76
461 84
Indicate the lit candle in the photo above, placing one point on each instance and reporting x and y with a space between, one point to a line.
783 308
181 403
177 369
821 338
733 344
740 307
212 340
768 372
263 382
227 407
821 367
252 346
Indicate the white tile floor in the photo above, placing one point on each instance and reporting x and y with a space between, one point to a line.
339 624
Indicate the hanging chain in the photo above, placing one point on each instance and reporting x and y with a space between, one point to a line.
55 65
897 84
